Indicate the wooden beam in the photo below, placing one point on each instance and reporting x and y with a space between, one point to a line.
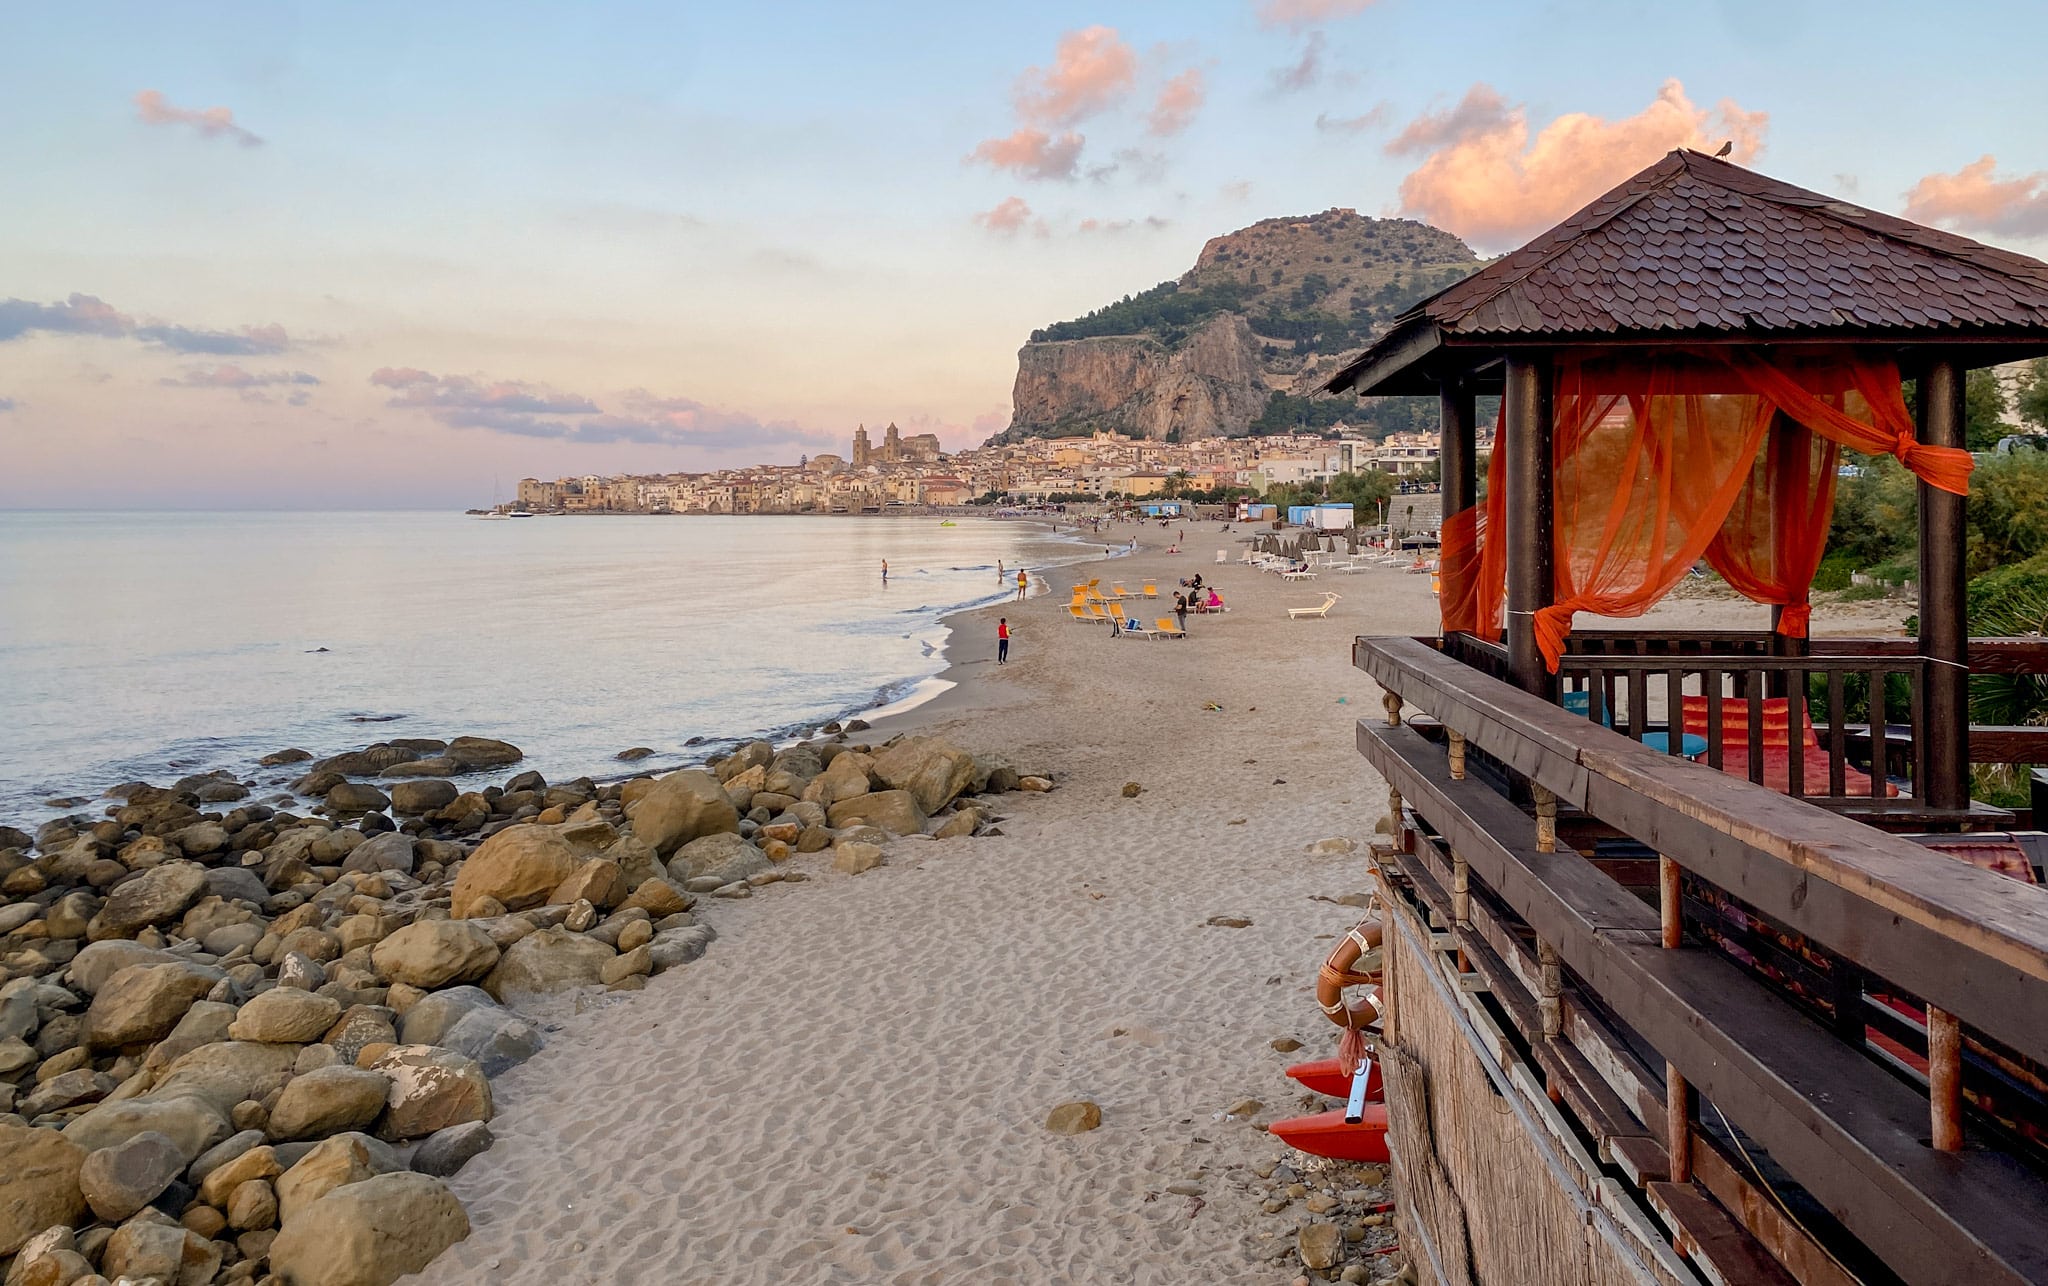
1460 443
1846 1130
1969 940
1529 515
1944 627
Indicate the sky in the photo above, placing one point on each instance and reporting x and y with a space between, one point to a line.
281 255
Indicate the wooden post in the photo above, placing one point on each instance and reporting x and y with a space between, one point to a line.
1945 1079
1944 629
1546 819
1529 504
1550 975
1392 702
1677 1094
1461 903
1678 1124
1457 754
1669 902
1459 463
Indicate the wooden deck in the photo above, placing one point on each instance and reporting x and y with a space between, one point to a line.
1796 1146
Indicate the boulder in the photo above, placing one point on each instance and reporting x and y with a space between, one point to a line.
435 953
96 963
157 896
853 859
672 947
496 1038
844 778
518 867
546 962
391 851
432 1017
437 766
358 1028
681 807
228 1073
236 884
284 1015
932 769
38 1183
252 1205
330 1163
961 824
724 857
191 1123
895 811
369 1233
636 859
143 1002
411 798
122 1179
327 1100
431 1090
1077 1117
355 797
257 1163
755 754
598 882
483 752
150 1247
636 962
447 1151
658 897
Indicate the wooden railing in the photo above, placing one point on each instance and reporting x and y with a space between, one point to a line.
1967 947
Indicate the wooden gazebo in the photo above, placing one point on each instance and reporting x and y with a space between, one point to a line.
1714 911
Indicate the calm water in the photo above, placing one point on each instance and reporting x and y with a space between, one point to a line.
146 646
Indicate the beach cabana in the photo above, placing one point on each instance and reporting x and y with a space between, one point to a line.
1771 971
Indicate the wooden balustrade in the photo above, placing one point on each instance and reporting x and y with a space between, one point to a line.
1865 1137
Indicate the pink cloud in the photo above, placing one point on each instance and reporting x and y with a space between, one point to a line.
1307 13
1032 153
1304 73
1010 216
1177 104
1150 222
1092 69
152 108
228 375
1484 178
1975 199
1372 118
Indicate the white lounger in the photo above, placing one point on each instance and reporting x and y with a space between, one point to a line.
1299 613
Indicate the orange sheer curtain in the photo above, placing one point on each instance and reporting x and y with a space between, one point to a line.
1474 569
1659 462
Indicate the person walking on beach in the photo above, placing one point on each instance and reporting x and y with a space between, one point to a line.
885 571
1180 611
1023 584
999 571
1002 640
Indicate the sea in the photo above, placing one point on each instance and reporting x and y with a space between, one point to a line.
149 646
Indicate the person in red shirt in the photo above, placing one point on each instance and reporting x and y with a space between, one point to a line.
1003 640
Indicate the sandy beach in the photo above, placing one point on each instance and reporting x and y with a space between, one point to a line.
852 1085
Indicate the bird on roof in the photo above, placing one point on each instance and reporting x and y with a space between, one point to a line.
1726 148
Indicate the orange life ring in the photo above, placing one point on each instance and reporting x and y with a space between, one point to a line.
1336 974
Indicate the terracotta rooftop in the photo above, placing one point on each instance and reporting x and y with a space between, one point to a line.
1694 248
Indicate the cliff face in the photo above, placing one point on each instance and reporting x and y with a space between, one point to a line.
1266 307
1209 385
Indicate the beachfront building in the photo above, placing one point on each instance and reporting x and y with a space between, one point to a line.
1701 962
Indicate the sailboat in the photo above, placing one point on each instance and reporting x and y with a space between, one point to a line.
497 509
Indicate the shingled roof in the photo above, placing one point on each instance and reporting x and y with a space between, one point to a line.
1695 249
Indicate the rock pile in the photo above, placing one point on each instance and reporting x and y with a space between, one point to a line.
250 1045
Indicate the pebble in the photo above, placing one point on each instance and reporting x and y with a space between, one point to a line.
1185 1189
1264 1169
1287 1044
1321 1203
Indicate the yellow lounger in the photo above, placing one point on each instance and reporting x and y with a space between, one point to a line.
1168 629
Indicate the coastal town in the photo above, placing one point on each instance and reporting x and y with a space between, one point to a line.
902 471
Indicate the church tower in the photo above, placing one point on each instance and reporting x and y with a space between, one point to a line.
892 446
861 451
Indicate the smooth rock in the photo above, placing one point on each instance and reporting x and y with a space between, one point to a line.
391 851
156 896
120 1180
411 798
327 1165
546 962
38 1183
895 811
190 1123
447 1151
1077 1117
227 1073
431 1090
284 1015
681 807
853 859
931 769
496 1038
144 1002
95 964
369 1233
326 1101
1320 1245
518 867
355 797
725 857
436 953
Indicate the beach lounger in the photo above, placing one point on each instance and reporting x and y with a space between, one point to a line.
1166 629
1778 747
1302 613
1303 574
1118 591
1151 589
1222 555
1096 612
1076 611
1136 630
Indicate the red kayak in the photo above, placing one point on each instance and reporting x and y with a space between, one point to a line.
1326 1076
1327 1134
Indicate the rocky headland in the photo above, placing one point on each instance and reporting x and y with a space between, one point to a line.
248 1041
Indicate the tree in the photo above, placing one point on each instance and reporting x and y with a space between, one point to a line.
1364 491
1983 408
2031 406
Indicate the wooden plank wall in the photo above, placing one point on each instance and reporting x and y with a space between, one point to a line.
1463 1145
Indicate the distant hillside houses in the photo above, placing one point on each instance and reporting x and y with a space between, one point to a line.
900 472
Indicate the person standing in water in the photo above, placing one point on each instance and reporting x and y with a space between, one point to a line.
885 571
999 570
1023 584
1002 640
